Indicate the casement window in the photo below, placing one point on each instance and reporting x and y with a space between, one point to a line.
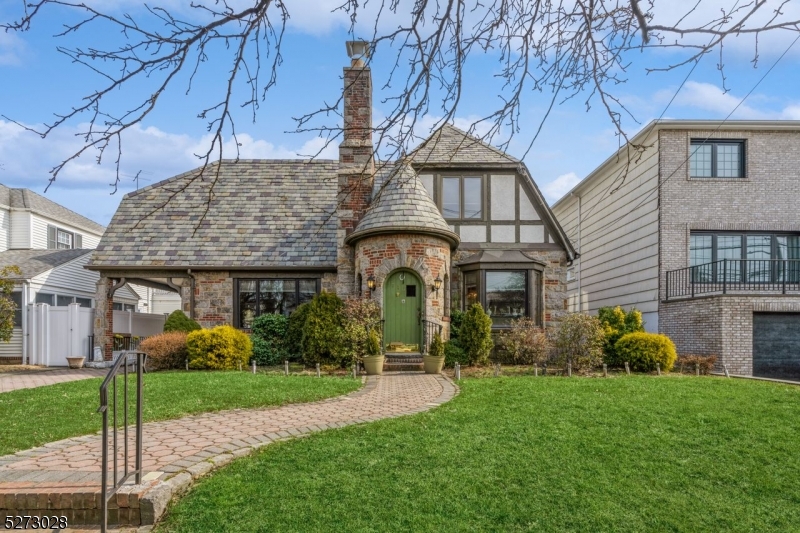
256 297
61 239
716 159
504 294
462 197
752 257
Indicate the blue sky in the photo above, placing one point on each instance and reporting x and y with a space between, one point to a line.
37 82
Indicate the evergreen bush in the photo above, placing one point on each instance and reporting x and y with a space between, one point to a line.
323 335
579 341
166 351
178 321
643 350
475 335
294 333
269 339
373 343
437 346
220 348
454 353
616 323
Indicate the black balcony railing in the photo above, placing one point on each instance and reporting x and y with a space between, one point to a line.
429 330
735 275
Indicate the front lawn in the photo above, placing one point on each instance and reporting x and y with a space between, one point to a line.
634 453
32 417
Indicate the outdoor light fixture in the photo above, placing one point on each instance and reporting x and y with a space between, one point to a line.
437 284
371 283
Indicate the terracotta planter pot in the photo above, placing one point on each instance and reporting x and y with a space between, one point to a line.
432 364
373 364
75 362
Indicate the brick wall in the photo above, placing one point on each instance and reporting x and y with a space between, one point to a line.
429 257
720 325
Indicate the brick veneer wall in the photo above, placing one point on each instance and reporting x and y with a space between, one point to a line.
720 325
429 257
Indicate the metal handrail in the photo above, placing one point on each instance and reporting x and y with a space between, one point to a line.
122 362
429 329
766 275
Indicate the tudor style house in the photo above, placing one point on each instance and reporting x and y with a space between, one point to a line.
454 222
700 232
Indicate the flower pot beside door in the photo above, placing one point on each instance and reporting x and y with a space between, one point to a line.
373 361
433 361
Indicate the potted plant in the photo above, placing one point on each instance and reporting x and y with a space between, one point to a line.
373 359
433 362
76 362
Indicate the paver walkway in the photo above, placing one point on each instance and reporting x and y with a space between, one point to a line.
39 378
65 475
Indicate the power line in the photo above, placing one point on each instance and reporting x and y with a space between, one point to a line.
658 186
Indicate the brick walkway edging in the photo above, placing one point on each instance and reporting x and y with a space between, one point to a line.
154 500
53 479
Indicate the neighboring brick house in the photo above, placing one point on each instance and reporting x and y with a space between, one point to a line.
50 244
455 221
700 231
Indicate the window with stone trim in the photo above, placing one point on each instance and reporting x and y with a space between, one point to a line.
255 297
710 158
505 294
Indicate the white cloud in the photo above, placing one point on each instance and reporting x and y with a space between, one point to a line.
12 49
717 104
555 189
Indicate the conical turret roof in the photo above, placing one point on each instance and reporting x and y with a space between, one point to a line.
403 205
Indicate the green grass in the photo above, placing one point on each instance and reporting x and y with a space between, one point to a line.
527 454
32 417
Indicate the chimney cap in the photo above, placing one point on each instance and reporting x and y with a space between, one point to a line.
358 51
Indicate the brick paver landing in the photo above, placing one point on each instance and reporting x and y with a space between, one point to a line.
39 378
65 475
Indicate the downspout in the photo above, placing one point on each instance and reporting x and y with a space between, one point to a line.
25 333
580 266
191 293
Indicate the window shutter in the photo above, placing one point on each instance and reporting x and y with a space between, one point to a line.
78 240
51 237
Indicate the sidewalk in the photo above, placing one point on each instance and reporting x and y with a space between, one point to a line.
64 477
28 379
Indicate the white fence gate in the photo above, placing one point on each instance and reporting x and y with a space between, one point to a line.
55 333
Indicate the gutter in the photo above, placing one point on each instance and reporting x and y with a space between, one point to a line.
24 308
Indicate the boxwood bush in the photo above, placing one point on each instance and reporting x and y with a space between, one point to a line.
294 332
269 339
475 335
178 321
323 334
643 350
220 348
166 351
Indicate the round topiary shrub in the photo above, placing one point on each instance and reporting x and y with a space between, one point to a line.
178 321
269 339
475 335
220 348
644 350
166 351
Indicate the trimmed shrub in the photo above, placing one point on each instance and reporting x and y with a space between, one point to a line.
323 334
578 341
526 343
706 362
166 351
616 323
643 350
269 339
178 321
437 346
456 319
475 335
294 333
454 353
220 348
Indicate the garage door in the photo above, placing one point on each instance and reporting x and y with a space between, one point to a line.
776 345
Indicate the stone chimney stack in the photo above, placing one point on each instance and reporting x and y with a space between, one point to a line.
356 164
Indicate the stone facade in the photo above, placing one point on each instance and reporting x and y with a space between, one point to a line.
104 318
428 256
720 325
213 298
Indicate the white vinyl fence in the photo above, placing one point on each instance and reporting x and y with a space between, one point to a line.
55 333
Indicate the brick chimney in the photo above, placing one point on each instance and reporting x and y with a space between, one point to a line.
356 164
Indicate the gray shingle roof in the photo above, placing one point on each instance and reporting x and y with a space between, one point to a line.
34 262
451 146
403 205
263 213
27 199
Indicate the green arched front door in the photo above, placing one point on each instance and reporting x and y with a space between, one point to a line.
403 296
